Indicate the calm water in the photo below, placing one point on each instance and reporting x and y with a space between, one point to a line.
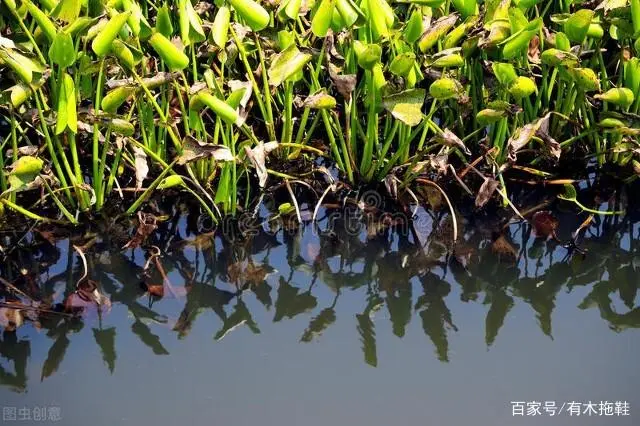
339 328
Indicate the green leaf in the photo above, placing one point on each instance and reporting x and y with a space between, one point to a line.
320 100
23 172
505 73
445 88
437 31
586 79
219 107
116 97
368 54
570 193
169 52
518 43
402 64
287 63
23 66
67 117
190 23
577 25
171 181
62 51
220 27
465 7
102 44
618 96
413 29
523 87
256 17
44 22
322 18
163 22
406 106
67 10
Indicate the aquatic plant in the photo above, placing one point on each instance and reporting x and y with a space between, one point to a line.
118 101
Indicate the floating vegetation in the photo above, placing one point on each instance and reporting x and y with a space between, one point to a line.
107 105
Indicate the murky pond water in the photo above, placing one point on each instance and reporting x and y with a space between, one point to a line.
324 327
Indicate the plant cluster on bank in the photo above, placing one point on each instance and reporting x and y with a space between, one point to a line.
123 99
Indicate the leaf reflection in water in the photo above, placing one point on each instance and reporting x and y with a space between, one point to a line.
300 276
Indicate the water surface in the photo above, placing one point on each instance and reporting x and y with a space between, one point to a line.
323 326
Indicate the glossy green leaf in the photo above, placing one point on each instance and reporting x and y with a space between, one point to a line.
45 24
402 64
67 10
23 172
618 96
320 100
519 43
413 29
102 44
219 107
586 79
522 87
322 18
577 26
445 88
287 63
505 73
171 182
256 17
169 52
220 27
632 75
62 52
163 22
406 106
453 60
453 38
555 57
436 32
23 66
190 23
635 15
465 7
67 116
116 97
368 54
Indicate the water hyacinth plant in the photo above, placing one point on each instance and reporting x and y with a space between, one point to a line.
103 101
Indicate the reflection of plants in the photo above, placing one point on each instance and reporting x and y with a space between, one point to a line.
404 274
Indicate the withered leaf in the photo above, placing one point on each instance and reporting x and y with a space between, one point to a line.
544 224
523 136
533 52
142 168
503 248
450 139
156 290
193 150
486 191
257 155
146 225
584 225
345 83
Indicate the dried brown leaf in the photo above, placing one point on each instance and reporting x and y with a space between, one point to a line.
193 150
141 165
345 83
544 224
257 155
450 139
486 191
